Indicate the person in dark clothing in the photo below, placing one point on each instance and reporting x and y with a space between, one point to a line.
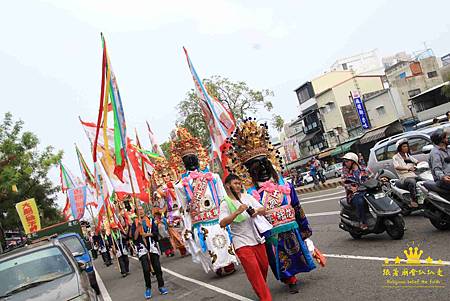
439 159
145 234
105 244
121 244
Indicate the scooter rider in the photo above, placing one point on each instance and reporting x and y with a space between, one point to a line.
440 159
405 165
353 175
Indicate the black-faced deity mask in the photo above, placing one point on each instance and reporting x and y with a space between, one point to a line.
260 169
191 162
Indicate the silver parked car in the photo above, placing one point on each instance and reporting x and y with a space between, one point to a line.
381 154
333 171
44 271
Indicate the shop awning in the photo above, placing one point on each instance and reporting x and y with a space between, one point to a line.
299 162
374 135
343 148
325 153
309 136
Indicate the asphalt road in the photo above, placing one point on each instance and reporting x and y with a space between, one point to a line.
354 269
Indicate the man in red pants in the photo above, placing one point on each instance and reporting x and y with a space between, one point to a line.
239 211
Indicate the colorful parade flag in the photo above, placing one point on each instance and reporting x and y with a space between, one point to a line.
219 121
109 94
66 211
155 146
29 215
122 185
77 197
67 179
87 175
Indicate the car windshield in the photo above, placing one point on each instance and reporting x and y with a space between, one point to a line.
73 244
32 268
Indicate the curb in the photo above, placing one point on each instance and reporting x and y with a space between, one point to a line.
319 187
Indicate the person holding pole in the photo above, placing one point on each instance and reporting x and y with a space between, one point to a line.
145 233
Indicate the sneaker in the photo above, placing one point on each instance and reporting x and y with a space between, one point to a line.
148 293
163 291
293 288
363 226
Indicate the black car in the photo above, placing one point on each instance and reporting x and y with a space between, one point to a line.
43 271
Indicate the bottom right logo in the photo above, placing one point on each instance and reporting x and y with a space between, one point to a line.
414 272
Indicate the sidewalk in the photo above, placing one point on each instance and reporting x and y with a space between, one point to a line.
332 183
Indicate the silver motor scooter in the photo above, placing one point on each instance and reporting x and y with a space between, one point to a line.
436 204
403 197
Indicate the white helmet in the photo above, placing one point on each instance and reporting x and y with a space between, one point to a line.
351 157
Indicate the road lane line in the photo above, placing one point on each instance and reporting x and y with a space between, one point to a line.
322 195
320 200
206 285
322 213
101 285
373 258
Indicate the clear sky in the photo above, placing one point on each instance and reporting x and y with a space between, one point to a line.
50 53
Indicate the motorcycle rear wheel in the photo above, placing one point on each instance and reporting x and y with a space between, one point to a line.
397 230
440 224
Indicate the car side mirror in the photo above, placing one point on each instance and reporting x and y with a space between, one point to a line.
427 148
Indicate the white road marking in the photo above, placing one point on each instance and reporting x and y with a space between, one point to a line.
101 285
373 258
322 213
320 200
321 195
208 286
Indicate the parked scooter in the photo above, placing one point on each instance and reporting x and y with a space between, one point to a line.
403 197
383 214
436 204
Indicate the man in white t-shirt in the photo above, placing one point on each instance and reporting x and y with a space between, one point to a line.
241 211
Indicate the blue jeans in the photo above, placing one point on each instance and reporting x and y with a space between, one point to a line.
360 204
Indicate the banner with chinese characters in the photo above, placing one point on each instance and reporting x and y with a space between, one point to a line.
77 198
361 110
29 215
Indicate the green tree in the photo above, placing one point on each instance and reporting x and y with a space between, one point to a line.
278 122
166 149
26 167
237 97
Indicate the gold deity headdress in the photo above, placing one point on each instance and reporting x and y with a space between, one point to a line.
184 144
163 169
250 140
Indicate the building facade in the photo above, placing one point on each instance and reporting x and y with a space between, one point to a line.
337 110
411 78
365 63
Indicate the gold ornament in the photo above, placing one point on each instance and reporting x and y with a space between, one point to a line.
185 144
250 140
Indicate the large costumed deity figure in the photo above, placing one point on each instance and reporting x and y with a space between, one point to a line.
164 176
254 159
199 193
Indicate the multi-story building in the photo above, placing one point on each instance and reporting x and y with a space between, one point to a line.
383 107
411 78
337 109
365 63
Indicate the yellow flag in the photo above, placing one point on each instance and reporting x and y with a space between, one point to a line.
29 215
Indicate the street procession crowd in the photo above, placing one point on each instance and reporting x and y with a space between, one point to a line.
253 218
148 204
248 216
